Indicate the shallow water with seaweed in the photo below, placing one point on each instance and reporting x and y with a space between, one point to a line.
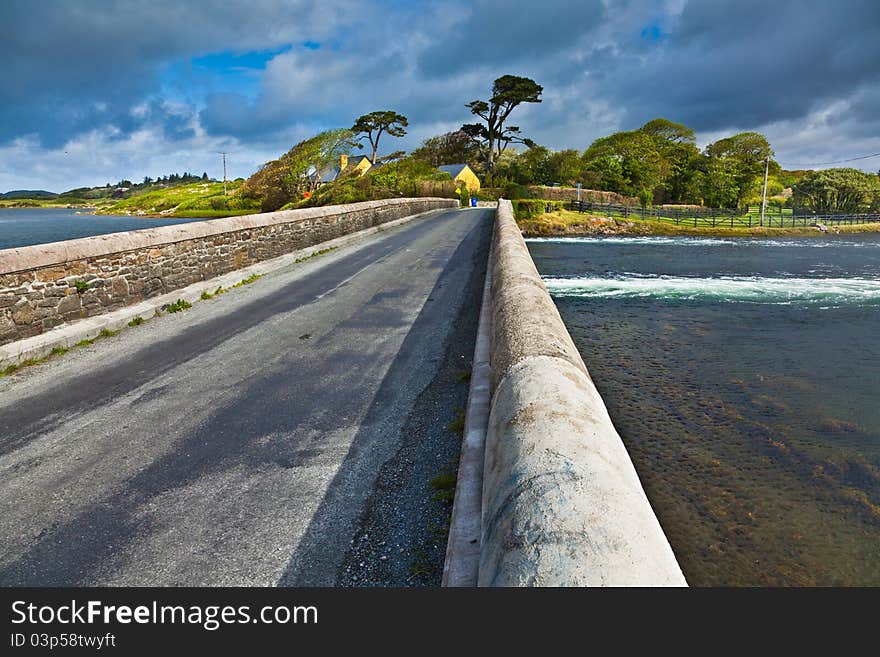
743 376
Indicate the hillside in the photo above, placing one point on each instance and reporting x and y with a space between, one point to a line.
201 199
28 193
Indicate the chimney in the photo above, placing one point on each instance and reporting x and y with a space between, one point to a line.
343 162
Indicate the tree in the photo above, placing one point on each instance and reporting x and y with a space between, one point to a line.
738 160
565 166
676 145
508 92
625 162
836 191
375 123
449 148
299 170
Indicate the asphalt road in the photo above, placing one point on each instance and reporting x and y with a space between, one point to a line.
236 443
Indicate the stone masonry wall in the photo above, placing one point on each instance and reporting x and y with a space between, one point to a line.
44 285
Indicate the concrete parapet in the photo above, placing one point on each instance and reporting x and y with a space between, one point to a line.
562 503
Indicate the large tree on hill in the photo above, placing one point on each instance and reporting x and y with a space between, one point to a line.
837 191
508 92
375 124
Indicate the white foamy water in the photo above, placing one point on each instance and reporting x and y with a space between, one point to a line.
822 291
803 242
649 241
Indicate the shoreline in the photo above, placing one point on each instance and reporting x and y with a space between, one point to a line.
585 226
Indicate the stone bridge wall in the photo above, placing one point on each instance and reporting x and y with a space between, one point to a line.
45 285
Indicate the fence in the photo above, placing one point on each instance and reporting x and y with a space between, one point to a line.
723 218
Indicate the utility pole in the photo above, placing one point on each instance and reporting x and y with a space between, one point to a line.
764 193
224 174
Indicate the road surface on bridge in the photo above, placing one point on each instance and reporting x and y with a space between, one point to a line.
239 442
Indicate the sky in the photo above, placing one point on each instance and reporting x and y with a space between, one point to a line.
98 91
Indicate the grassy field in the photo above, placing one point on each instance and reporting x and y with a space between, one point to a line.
201 199
563 223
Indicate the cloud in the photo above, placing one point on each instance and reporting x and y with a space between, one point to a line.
68 57
149 84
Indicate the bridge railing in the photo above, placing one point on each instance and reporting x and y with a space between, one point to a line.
562 503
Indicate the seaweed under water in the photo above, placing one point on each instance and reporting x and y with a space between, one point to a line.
752 420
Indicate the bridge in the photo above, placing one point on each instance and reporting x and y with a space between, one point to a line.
282 433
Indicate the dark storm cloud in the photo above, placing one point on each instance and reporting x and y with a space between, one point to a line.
749 63
103 76
504 33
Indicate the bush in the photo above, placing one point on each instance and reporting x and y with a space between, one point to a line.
404 178
514 191
529 208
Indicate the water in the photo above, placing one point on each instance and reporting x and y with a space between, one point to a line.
743 376
26 226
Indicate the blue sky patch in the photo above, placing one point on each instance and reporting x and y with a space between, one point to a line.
653 32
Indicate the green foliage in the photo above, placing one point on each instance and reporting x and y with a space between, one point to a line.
107 333
444 486
492 135
512 191
449 148
529 208
660 163
464 196
287 179
247 281
626 162
177 306
734 167
407 177
841 190
372 126
137 321
179 200
81 287
457 425
316 254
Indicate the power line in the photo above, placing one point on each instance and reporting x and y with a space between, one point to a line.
821 164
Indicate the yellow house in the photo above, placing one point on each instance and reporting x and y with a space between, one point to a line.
462 173
359 163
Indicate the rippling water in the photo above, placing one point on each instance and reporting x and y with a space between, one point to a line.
743 375
26 226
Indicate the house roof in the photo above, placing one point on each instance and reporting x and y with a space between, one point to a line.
332 171
453 169
327 174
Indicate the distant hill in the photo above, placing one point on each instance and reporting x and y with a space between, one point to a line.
28 193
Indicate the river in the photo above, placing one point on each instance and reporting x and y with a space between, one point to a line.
26 226
743 376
